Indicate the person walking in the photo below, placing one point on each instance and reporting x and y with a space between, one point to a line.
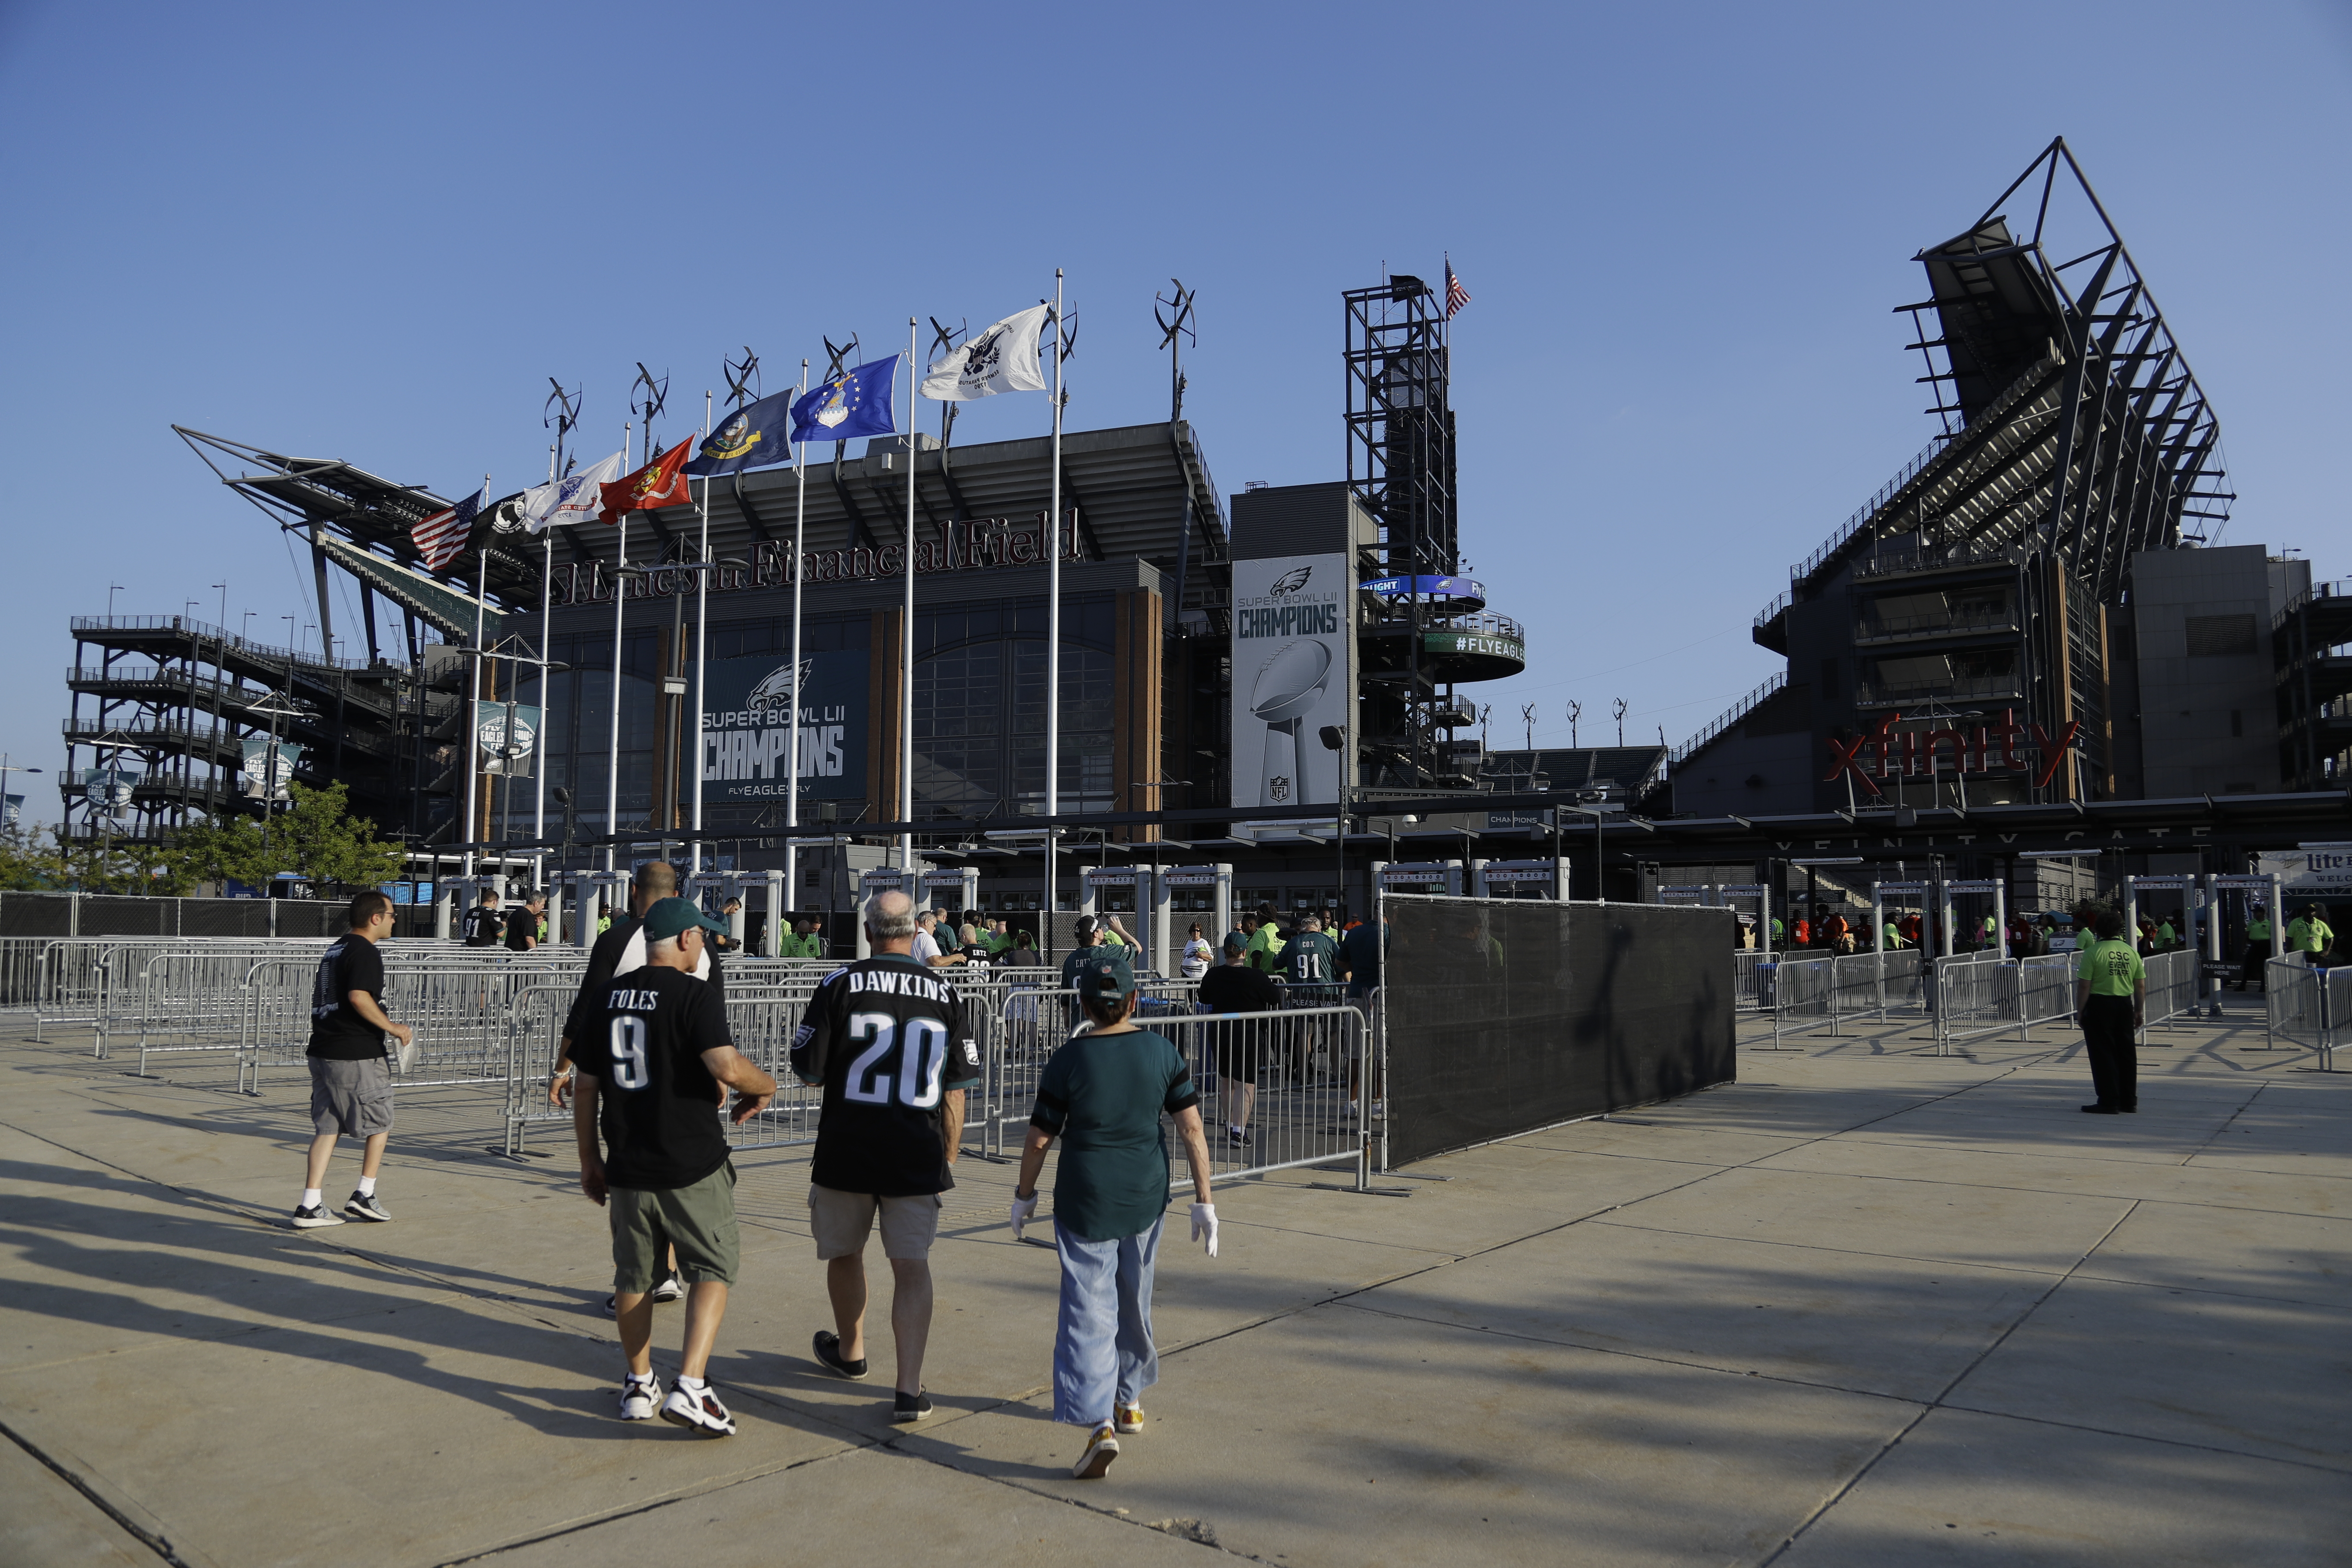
484 924
892 1044
350 1078
1267 943
1236 986
655 1053
1103 1093
1198 954
2110 1000
1022 953
2252 970
523 924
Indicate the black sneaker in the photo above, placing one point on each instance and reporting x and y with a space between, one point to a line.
1237 1136
827 1346
911 1406
2099 1111
362 1205
310 1216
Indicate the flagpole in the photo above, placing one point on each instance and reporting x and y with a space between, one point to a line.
701 646
907 650
1054 636
792 794
619 601
539 751
474 697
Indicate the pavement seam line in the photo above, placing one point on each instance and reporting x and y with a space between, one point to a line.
2226 1125
160 1546
1937 1403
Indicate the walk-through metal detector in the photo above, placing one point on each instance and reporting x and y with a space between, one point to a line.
593 892
1999 912
2132 886
1093 879
880 880
1905 892
1418 877
955 888
446 890
1520 879
727 885
2270 890
1218 877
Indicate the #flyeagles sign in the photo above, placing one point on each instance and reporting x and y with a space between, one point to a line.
1294 675
748 726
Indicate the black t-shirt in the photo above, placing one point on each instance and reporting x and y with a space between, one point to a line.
1361 949
484 924
888 1039
604 958
1230 988
522 930
659 1108
975 953
337 1033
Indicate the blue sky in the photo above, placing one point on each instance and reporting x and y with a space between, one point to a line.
374 233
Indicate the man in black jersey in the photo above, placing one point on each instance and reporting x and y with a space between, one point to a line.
892 1043
651 1060
485 925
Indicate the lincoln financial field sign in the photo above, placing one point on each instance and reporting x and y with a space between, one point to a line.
748 728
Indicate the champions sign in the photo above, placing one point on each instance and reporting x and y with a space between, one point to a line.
747 742
1293 677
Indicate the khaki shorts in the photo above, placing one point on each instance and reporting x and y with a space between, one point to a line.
354 1097
699 1220
842 1220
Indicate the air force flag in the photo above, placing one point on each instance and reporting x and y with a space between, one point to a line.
753 437
1001 358
854 402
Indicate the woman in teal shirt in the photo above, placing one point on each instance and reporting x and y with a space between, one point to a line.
1102 1094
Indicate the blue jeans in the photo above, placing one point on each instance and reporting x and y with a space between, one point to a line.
1102 1346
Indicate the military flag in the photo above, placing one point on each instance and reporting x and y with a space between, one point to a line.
657 485
854 402
1001 358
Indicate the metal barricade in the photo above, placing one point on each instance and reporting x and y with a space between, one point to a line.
1022 1026
1295 1079
1801 993
2045 991
2171 987
20 972
2339 998
2294 1002
1749 971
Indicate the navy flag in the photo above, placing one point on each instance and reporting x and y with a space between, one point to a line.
854 402
753 437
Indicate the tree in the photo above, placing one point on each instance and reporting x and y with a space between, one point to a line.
317 838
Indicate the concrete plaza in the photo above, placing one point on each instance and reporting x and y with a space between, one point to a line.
1866 1307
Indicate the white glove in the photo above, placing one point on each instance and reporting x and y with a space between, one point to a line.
1024 1211
1204 1225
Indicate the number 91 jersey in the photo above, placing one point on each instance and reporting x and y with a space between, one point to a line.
889 1040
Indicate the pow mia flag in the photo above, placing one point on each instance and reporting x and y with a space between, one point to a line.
1001 358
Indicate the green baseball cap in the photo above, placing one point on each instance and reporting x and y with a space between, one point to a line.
1105 979
669 917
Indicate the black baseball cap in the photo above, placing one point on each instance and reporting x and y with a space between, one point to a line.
1105 979
671 917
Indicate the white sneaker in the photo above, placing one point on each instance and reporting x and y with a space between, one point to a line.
698 1409
310 1216
640 1400
671 1289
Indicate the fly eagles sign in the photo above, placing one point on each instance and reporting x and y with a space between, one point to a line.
1881 753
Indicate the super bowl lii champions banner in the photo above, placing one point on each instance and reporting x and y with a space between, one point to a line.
1294 676
748 728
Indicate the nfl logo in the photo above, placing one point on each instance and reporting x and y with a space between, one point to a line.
1278 788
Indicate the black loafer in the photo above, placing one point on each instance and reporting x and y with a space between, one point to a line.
827 1346
2099 1111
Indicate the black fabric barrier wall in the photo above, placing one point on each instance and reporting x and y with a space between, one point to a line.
1508 1015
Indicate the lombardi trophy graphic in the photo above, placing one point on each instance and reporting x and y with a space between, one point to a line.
1287 684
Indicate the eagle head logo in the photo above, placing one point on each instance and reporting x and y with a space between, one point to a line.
1289 582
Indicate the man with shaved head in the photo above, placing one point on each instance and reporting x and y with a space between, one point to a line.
890 1041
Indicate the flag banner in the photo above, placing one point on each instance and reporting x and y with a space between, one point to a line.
573 499
509 736
1003 358
109 790
442 537
854 402
1456 296
657 485
266 776
13 812
755 435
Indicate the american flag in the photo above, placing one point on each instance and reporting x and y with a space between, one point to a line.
1456 296
442 537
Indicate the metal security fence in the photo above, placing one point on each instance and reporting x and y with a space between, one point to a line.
2171 987
1751 973
2338 998
2295 1003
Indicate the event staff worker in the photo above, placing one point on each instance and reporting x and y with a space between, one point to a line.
484 924
2258 948
652 1057
892 1044
1234 986
1265 943
351 1080
1103 1093
2309 932
804 942
522 924
2110 999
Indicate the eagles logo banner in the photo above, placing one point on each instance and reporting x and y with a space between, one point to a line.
755 435
659 484
1001 358
854 402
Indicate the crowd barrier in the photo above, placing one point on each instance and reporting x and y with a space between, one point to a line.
1831 989
2295 1003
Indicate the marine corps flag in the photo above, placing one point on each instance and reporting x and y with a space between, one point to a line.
657 485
